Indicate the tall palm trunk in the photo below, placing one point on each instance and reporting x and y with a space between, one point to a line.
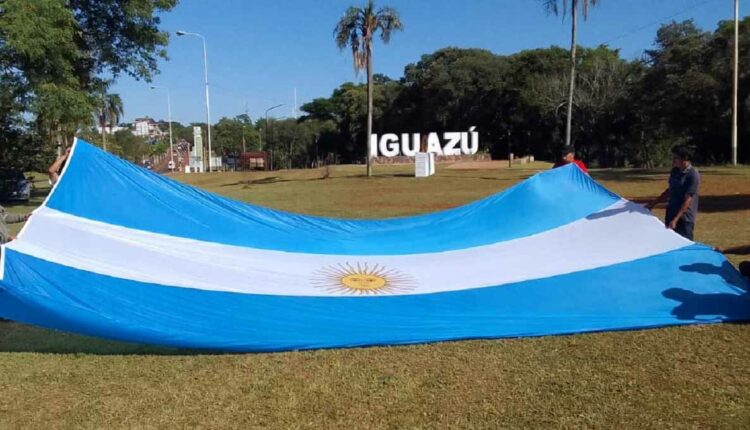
103 120
568 125
103 125
369 107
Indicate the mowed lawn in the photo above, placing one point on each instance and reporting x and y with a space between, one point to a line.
686 377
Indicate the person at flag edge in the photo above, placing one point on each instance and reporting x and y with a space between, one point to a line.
681 194
56 167
567 156
739 250
9 218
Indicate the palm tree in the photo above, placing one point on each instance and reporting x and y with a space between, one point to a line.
356 29
552 6
109 113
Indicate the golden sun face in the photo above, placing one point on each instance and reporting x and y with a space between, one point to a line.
362 279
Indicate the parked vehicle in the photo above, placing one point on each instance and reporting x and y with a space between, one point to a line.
14 186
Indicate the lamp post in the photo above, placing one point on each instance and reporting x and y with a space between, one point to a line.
205 75
266 130
736 79
169 113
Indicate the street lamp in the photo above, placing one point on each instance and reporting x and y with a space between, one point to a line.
169 112
205 75
735 79
266 130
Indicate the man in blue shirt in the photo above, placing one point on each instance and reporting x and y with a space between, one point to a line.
682 194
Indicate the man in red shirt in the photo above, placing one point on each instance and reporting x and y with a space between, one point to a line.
567 156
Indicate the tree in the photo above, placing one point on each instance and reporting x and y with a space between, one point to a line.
356 30
57 50
182 132
235 135
454 88
553 6
109 111
288 142
338 121
680 94
321 109
722 60
600 97
130 147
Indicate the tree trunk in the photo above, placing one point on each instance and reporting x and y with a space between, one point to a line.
369 107
569 120
112 124
102 124
58 138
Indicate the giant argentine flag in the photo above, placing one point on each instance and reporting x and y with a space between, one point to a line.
120 252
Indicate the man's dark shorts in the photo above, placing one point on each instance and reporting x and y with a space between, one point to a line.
684 229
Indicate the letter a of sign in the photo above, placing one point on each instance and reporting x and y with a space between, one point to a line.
433 144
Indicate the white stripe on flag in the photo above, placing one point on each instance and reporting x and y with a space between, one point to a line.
623 232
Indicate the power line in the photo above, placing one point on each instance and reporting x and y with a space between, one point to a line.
657 22
239 94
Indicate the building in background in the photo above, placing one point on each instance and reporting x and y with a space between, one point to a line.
147 127
109 129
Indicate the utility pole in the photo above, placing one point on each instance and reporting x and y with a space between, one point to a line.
266 130
736 79
569 119
103 121
510 153
169 116
243 129
205 77
294 108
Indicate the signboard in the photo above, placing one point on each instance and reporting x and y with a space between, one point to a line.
409 144
196 160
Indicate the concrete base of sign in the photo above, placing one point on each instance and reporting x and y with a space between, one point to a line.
193 169
424 164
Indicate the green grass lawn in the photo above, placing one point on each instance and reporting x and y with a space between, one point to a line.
685 377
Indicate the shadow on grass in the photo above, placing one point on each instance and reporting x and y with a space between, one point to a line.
710 204
727 171
21 338
724 306
270 180
393 175
519 177
725 203
374 176
634 175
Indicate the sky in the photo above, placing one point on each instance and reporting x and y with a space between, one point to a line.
259 51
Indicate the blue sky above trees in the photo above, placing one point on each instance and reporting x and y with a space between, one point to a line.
260 50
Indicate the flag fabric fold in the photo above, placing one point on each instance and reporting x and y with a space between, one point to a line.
121 252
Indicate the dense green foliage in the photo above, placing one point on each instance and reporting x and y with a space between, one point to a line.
57 58
230 133
625 112
53 56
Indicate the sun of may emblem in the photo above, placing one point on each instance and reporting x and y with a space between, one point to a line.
362 279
